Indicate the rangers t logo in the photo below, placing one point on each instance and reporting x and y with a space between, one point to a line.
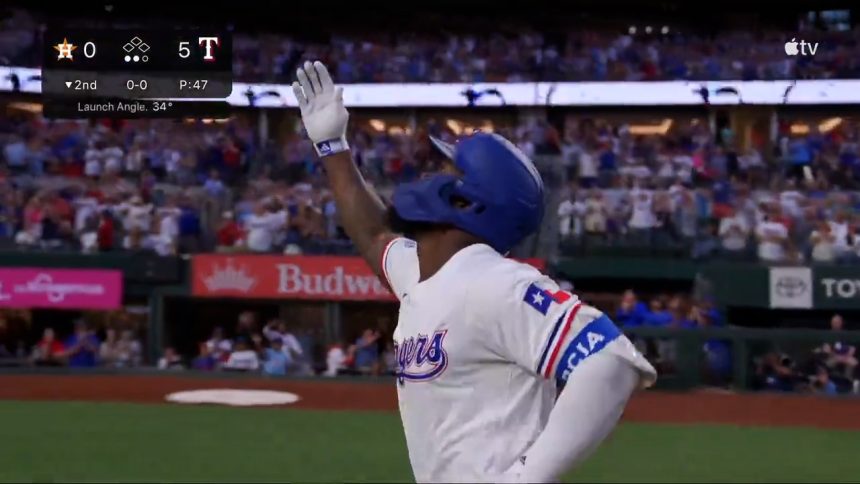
422 358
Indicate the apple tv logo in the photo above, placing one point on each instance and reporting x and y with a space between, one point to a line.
792 49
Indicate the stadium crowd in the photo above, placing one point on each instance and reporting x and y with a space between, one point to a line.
798 204
172 188
85 348
275 350
638 53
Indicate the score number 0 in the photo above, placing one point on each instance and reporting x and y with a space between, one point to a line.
90 50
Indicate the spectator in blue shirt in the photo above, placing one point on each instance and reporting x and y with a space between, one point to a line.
718 354
15 153
205 361
838 356
631 312
82 347
658 314
822 383
189 229
189 222
799 155
275 360
723 192
213 185
367 352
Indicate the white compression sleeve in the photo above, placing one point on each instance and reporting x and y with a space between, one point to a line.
584 414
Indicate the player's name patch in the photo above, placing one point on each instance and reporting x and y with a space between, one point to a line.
421 358
590 340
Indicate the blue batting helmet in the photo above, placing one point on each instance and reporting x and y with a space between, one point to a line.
501 188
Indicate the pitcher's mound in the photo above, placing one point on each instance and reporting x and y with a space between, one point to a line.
232 397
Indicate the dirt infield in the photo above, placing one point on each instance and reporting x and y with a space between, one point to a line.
693 407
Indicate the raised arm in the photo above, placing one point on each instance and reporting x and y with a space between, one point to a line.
361 212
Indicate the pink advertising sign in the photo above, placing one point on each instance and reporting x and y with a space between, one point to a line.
60 288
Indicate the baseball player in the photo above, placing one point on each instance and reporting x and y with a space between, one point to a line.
482 341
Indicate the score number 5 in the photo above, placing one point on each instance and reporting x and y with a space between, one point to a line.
184 51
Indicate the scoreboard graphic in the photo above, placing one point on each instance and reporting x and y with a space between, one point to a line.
133 73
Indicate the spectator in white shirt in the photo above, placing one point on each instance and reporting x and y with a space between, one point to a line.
137 215
335 360
242 358
684 166
570 151
854 240
790 200
751 159
823 243
134 159
170 360
168 224
587 165
839 227
642 218
259 230
93 160
595 213
570 213
112 158
279 218
162 238
734 232
262 226
171 160
772 237
86 208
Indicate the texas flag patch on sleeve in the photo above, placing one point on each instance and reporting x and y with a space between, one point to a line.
541 299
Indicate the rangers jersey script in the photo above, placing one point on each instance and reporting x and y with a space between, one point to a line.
481 346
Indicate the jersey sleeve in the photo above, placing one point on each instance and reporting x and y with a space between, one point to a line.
546 330
400 265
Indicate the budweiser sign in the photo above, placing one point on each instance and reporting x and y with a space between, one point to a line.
285 277
290 277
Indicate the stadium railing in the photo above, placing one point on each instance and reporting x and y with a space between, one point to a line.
690 364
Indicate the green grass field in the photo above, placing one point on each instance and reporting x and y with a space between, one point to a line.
62 442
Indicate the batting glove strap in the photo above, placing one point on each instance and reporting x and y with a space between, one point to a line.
331 147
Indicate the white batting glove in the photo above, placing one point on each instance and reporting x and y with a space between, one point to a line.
323 112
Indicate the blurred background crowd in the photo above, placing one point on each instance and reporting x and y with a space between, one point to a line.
171 188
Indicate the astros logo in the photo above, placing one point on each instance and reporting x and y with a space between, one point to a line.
422 358
65 50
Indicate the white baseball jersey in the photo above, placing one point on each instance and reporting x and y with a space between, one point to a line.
481 346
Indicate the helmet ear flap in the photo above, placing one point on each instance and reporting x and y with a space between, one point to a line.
458 201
